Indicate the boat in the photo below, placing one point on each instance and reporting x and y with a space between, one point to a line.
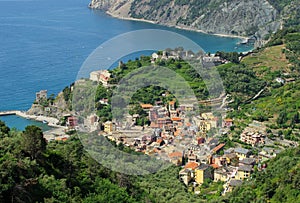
44 121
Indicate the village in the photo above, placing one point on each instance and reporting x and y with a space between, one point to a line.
192 142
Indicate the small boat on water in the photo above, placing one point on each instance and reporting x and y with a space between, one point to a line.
44 121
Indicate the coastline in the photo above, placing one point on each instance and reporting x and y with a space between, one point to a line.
174 26
56 131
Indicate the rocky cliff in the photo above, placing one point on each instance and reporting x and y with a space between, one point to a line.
233 17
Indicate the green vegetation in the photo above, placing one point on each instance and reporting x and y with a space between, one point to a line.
64 172
32 171
278 183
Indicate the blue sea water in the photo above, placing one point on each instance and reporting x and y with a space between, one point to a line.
20 123
43 44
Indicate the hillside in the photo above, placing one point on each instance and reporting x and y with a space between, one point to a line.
243 18
279 183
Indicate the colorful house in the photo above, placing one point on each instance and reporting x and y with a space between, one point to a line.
185 176
244 172
227 123
176 158
242 153
108 127
203 172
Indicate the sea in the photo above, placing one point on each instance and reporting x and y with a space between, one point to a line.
43 44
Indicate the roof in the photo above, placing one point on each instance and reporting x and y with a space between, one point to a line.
176 119
241 150
154 125
146 106
245 168
217 148
248 161
228 120
230 156
203 167
175 154
172 102
184 172
191 165
235 183
215 166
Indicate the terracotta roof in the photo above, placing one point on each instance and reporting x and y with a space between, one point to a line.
188 124
177 132
146 106
217 148
191 165
172 102
154 125
228 120
175 154
159 140
176 119
215 166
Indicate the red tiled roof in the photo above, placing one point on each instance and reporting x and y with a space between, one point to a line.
217 148
191 165
175 154
154 125
146 106
172 102
159 140
215 166
176 119
228 120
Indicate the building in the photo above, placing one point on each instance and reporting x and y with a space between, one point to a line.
247 161
204 126
173 114
218 148
191 165
162 122
227 123
231 159
72 122
268 153
203 172
185 176
224 173
186 107
176 158
244 172
242 153
40 96
253 138
231 185
146 106
108 127
102 76
92 122
172 105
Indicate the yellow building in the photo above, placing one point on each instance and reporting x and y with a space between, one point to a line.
219 175
108 127
204 126
242 153
244 172
231 159
203 172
